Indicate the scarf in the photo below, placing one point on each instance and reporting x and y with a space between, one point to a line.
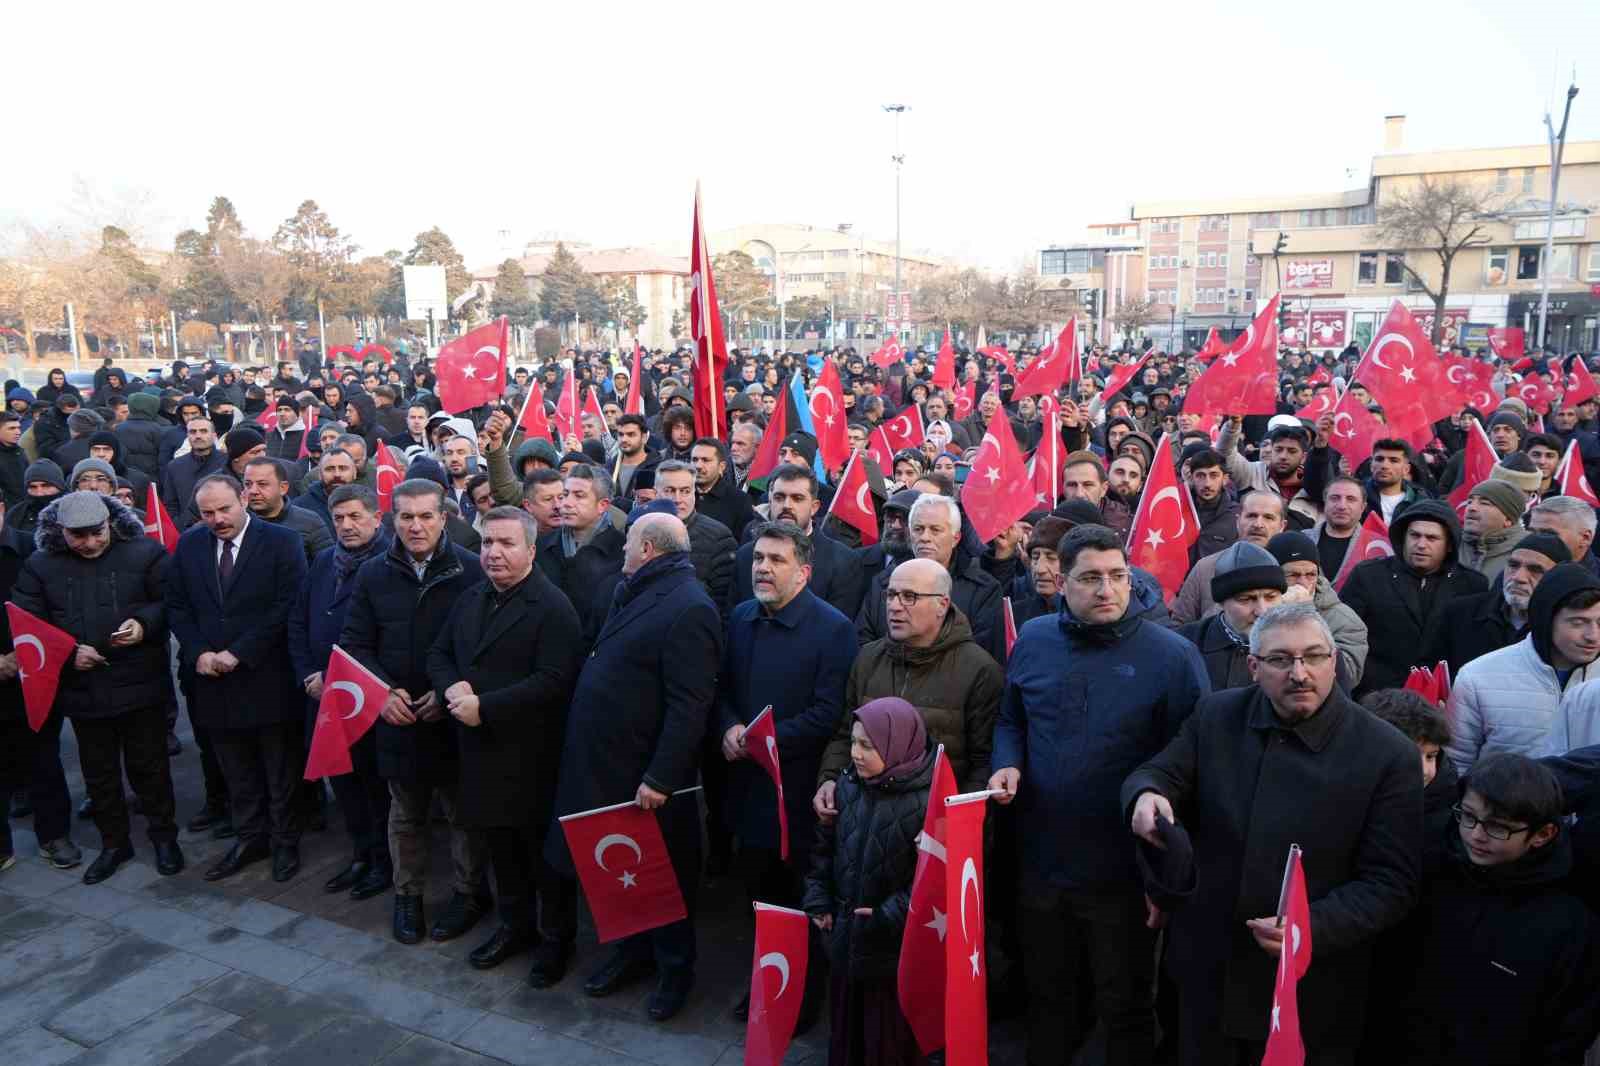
347 562
896 730
636 582
1232 634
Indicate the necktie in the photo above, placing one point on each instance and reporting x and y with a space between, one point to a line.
225 566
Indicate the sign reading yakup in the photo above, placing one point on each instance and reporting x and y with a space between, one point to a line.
1308 274
425 291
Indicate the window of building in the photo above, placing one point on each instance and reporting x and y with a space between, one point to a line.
1593 271
1250 260
1222 260
1496 266
1263 219
1053 262
1528 262
1502 180
1561 260
1360 216
1367 268
1249 296
1535 229
1527 181
1394 268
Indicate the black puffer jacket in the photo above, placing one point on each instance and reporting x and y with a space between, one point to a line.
866 859
141 434
89 598
711 550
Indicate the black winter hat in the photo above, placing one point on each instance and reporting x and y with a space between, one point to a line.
1169 873
1243 566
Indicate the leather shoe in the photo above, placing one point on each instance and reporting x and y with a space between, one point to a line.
377 880
505 943
169 858
238 857
671 993
549 962
346 879
106 863
285 862
618 972
460 914
408 919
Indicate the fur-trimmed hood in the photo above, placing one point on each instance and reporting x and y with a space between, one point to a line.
48 536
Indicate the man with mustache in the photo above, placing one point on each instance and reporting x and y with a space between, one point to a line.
836 573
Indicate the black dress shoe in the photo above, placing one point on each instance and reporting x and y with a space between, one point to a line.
618 972
408 919
238 857
671 993
346 879
205 818
106 863
169 858
505 943
285 862
86 808
741 1010
549 962
376 881
460 914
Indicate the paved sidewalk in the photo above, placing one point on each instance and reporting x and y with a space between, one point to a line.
142 970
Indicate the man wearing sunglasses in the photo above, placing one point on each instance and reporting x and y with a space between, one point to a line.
1287 760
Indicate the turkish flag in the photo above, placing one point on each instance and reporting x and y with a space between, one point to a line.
1571 478
532 420
783 943
1473 382
267 419
158 525
1355 428
1244 381
1284 1046
1536 391
904 430
1421 681
635 404
965 398
626 873
966 999
1406 376
998 353
1476 466
337 728
827 415
998 491
1054 367
852 501
888 354
1580 384
1322 403
309 417
565 420
944 364
766 457
920 983
471 370
54 647
1011 625
1507 342
705 326
761 742
591 406
1160 537
1046 470
1321 376
1121 376
377 350
387 473
1213 347
1371 542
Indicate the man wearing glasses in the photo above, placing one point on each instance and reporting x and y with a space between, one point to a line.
1092 691
1287 760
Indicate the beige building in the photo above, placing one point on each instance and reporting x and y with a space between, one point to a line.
1102 274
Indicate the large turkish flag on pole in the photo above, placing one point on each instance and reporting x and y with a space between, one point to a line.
158 525
1476 467
998 491
1055 366
626 873
966 997
352 696
471 370
1284 1045
827 415
761 742
920 979
1160 537
705 326
54 648
777 982
635 404
1245 380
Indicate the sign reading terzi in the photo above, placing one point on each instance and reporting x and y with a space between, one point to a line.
1308 274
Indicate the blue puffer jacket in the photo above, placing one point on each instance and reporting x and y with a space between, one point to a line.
1085 706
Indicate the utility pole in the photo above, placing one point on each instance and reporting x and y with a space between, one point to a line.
899 163
1558 146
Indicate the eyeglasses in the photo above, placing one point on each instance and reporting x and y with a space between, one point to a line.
1496 830
908 598
1284 663
1094 581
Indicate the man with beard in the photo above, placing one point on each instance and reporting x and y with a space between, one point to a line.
1283 471
1083 477
335 469
633 433
742 446
1343 503
1127 478
184 472
1214 503
1474 626
835 570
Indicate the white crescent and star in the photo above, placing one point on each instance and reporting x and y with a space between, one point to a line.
355 691
828 418
969 874
780 962
628 879
1170 492
1348 417
31 641
1379 344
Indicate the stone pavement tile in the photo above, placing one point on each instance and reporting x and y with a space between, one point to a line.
426 1051
226 1049
31 919
95 901
560 1008
328 940
37 1046
95 1019
531 1045
66 984
242 912
244 995
286 1023
649 1041
363 991
32 879
41 954
162 1037
220 943
421 967
131 876
352 1040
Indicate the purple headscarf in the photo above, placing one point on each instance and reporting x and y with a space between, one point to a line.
896 730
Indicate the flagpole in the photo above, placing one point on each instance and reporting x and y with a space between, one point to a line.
620 806
1283 892
774 907
973 797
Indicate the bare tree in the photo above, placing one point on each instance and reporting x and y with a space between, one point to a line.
1133 315
1441 216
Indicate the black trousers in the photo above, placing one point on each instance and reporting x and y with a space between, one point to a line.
364 798
210 766
527 891
262 767
768 879
672 946
1057 925
1204 1043
33 761
134 742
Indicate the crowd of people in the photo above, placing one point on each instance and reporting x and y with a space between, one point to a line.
566 625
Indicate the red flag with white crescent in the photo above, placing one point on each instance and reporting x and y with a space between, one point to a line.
1406 376
624 868
158 525
828 417
1213 347
471 370
920 980
944 365
635 403
904 430
1322 403
705 327
1284 1044
1244 381
1121 376
998 491
532 421
352 696
1320 376
852 501
1507 342
40 678
1572 480
777 982
1476 466
966 997
761 742
1473 382
387 475
1580 384
1055 366
1371 542
888 354
309 417
1160 537
1354 428
1536 391
963 399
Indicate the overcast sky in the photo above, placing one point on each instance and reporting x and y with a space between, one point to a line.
1027 121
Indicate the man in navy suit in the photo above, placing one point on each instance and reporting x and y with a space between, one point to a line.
836 573
229 589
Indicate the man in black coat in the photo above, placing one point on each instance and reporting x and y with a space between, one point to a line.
505 664
184 472
584 557
1401 597
711 544
398 609
662 645
141 434
836 573
1470 626
266 491
229 589
1288 760
715 494
13 460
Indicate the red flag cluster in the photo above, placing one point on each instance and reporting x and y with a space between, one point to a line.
1431 683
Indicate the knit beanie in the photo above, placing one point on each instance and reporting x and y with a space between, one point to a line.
1505 496
83 466
1243 566
1549 545
1519 471
241 440
44 470
1292 547
1508 418
83 422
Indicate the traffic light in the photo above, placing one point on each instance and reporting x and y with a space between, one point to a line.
1283 317
1283 243
1091 301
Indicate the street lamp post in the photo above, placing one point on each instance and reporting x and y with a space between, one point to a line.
1558 146
899 163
